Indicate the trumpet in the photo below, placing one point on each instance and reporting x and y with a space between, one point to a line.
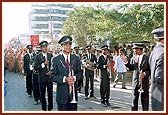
31 64
140 83
72 88
35 71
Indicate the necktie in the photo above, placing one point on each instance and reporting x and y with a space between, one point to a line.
67 63
45 57
89 56
138 61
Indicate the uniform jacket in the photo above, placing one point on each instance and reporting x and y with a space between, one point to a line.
144 67
58 71
26 61
156 62
102 62
93 57
42 71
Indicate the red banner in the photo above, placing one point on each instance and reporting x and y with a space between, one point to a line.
34 39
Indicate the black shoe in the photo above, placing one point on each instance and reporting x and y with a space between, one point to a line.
35 102
114 86
108 104
124 88
5 81
29 96
103 104
93 97
38 100
79 91
134 109
86 98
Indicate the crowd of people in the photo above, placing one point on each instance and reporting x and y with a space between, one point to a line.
72 69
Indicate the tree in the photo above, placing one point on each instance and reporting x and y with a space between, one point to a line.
125 23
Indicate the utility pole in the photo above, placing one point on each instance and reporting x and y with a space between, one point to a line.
51 24
51 28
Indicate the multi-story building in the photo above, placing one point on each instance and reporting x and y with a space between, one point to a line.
47 19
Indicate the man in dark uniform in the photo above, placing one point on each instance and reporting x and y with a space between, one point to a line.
28 69
105 80
140 81
89 73
156 62
36 90
42 64
80 82
66 71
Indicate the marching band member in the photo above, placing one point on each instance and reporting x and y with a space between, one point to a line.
77 53
156 61
66 71
89 74
105 80
141 72
42 65
28 69
36 90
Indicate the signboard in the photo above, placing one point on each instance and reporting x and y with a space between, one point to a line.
34 40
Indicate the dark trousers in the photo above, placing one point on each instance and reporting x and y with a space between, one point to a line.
105 90
144 99
29 85
89 77
67 107
157 105
36 90
80 84
49 86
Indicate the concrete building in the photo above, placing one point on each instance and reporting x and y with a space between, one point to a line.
47 20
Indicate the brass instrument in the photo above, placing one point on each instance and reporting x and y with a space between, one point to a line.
88 64
35 71
140 83
72 88
31 64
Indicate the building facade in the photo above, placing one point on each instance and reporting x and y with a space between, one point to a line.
47 19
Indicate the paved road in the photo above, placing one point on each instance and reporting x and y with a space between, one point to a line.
17 99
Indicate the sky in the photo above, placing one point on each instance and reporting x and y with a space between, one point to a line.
14 19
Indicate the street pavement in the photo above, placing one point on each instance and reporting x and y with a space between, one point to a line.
17 99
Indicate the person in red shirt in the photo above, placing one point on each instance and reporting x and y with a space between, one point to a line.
112 62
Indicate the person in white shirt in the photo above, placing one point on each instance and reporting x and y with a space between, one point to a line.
120 68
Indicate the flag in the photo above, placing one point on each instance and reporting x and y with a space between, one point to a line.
34 40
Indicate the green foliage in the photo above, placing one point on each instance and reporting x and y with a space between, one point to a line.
124 24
